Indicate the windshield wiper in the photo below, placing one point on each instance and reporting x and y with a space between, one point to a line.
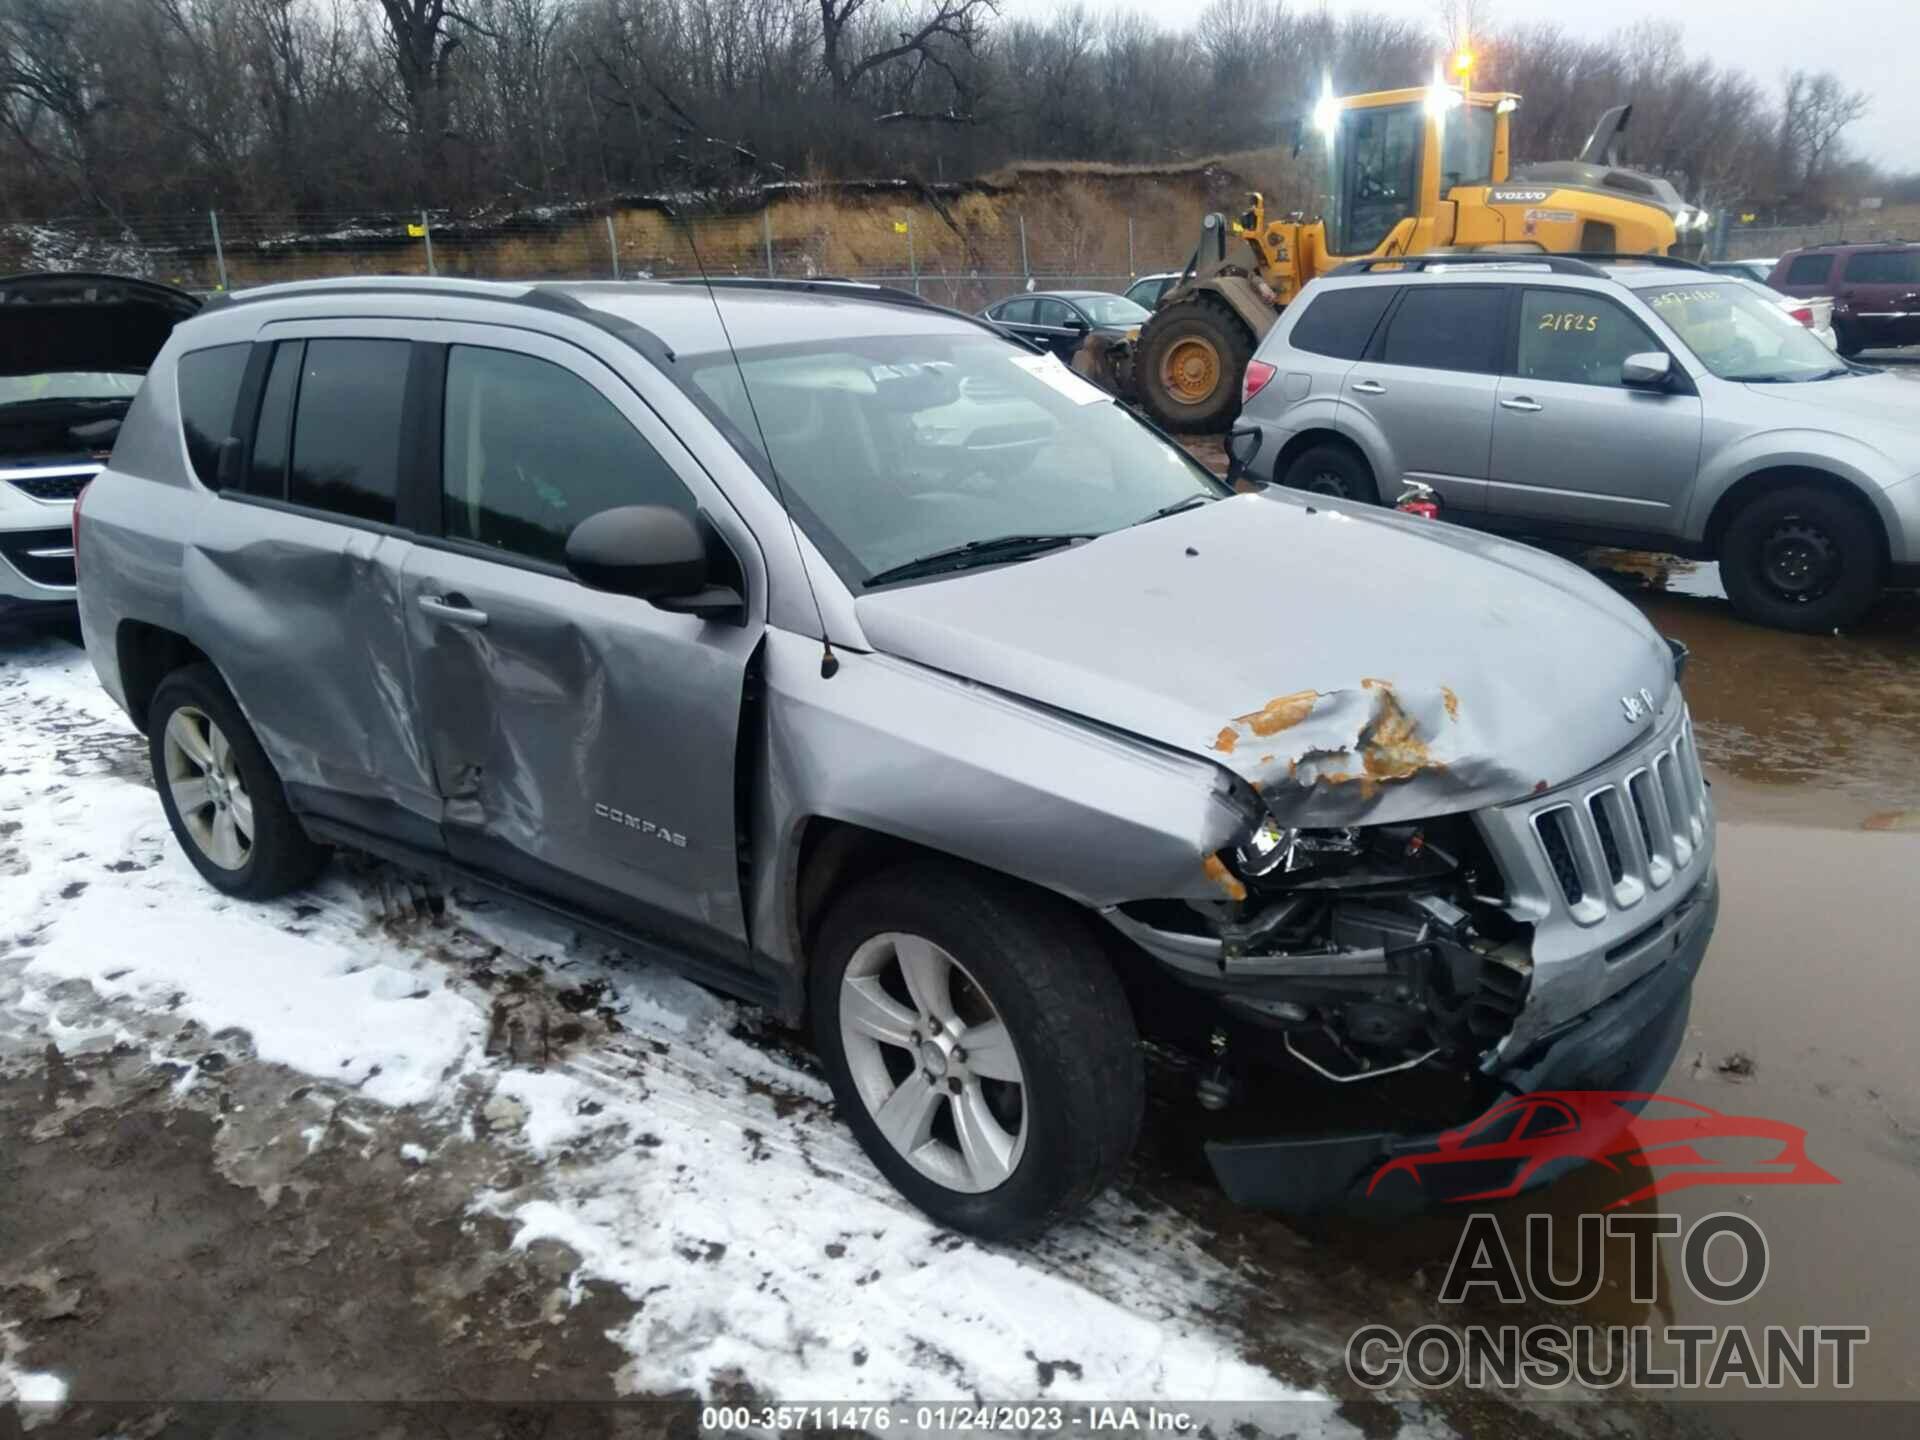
974 552
1185 503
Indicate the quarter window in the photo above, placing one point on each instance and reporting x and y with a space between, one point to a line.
1448 327
346 428
209 388
1576 338
1809 270
531 450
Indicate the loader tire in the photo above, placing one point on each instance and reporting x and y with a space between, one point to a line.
1191 359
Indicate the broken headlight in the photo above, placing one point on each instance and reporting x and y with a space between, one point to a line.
1275 856
1274 849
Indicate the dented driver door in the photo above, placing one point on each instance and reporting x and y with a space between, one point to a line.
583 742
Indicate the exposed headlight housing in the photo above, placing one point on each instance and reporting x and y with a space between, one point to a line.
1273 849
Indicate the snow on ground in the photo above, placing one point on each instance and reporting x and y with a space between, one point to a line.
686 1158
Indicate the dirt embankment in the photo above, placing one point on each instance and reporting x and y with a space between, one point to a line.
1065 224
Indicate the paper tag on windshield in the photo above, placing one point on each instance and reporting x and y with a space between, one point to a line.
1049 371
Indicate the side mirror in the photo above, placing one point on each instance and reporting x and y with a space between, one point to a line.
1650 370
1242 445
653 553
1075 323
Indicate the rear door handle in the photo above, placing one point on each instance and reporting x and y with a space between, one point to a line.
453 609
1368 387
1521 402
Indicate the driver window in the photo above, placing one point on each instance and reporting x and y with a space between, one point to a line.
1577 338
1052 313
530 450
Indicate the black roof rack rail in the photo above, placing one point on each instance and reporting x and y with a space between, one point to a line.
813 284
1610 257
1558 264
1583 262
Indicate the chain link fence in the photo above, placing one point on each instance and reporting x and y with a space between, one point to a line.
964 249
966 252
1759 242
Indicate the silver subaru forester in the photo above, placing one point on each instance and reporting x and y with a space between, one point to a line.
1641 402
831 648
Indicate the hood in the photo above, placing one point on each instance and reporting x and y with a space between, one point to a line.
1349 662
1884 402
73 322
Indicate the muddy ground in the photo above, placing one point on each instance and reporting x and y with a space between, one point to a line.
183 1220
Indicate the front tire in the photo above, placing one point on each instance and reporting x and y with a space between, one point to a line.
980 1047
1801 559
1192 358
220 792
1332 470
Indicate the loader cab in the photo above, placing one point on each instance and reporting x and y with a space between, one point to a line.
1393 158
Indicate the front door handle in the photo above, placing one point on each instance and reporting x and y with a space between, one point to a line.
1368 387
453 609
1521 402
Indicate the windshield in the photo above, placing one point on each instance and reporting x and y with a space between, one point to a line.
893 448
68 385
1741 335
1111 309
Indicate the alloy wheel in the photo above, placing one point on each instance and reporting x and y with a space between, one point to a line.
933 1062
203 775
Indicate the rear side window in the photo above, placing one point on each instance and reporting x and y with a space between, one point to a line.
346 428
1017 312
1448 327
1340 322
1809 270
1884 267
531 450
209 386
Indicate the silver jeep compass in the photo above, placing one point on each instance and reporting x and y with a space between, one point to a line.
831 648
1642 401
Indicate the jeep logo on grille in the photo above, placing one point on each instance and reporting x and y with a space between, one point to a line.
1638 707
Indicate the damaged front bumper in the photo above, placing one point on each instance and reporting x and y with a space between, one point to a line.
1625 1043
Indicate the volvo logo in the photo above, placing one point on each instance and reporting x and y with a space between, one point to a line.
1638 707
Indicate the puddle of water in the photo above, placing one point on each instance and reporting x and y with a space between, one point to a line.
1811 975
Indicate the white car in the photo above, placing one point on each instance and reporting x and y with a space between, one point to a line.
73 351
1815 314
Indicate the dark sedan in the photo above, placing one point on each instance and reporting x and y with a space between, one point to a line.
1061 320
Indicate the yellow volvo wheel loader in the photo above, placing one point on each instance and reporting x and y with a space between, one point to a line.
1411 172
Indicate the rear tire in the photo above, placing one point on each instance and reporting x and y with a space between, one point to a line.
1191 360
1336 470
1801 559
1847 342
1040 1115
220 792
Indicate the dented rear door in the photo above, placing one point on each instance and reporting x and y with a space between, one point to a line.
584 743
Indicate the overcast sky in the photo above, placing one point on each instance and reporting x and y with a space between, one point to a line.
1873 45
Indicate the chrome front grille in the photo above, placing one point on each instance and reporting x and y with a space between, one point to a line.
1627 831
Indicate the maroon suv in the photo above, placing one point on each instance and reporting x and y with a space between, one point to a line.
1875 290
